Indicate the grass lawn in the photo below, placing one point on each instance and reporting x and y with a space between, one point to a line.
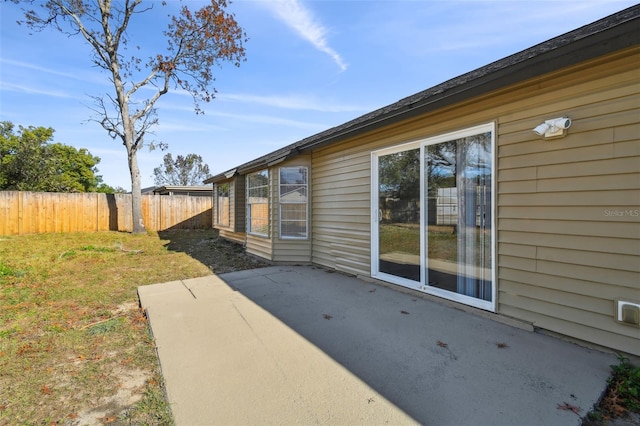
74 345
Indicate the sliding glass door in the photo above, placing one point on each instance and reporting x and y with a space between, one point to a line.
399 214
458 192
432 214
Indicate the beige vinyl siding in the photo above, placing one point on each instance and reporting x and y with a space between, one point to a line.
259 246
561 259
237 237
341 203
286 250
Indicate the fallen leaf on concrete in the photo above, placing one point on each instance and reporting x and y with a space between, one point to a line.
326 316
569 407
502 345
441 344
372 291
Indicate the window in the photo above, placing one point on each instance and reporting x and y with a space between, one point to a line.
222 204
258 203
293 202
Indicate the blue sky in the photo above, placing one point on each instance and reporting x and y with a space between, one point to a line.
310 65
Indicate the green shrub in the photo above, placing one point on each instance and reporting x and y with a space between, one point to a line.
626 380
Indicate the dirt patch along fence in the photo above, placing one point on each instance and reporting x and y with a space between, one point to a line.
43 212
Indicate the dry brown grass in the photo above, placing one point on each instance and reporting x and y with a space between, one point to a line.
74 346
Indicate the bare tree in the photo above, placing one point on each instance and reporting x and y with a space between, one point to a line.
196 42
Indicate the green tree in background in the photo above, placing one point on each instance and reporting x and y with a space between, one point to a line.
184 170
29 162
103 188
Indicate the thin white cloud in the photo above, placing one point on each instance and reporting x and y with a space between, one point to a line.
302 21
34 67
294 102
78 74
184 127
266 119
34 91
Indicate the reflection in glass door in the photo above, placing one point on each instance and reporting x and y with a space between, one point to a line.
458 186
399 214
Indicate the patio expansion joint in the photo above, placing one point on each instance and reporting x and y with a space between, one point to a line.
188 289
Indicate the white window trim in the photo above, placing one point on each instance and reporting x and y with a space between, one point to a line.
306 237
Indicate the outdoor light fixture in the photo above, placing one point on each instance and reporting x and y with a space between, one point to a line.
553 128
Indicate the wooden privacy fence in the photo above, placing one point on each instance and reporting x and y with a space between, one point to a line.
42 212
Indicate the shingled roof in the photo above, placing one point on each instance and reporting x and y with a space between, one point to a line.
610 34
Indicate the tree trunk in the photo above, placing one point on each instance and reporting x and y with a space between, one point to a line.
136 194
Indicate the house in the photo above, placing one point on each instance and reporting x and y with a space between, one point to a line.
452 193
194 191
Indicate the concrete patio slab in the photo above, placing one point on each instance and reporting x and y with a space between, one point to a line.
303 345
226 361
